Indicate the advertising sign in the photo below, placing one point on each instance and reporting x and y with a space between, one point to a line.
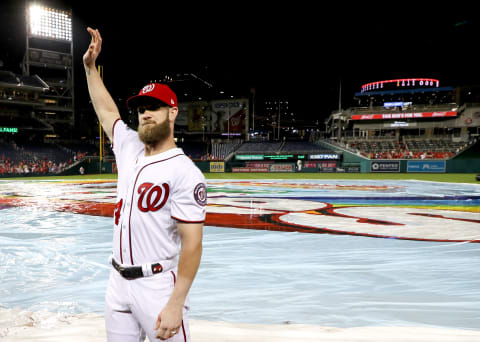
249 169
228 115
249 157
385 166
258 164
426 166
282 168
324 156
217 166
391 116
354 169
279 156
196 115
327 166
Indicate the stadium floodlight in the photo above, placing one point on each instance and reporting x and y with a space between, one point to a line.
50 23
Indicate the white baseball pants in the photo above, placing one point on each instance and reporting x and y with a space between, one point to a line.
132 307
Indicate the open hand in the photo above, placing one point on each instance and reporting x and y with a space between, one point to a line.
94 48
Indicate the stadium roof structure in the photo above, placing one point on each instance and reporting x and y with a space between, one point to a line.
8 77
191 86
8 80
402 86
402 82
404 91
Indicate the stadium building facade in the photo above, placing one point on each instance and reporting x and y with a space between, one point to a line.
414 118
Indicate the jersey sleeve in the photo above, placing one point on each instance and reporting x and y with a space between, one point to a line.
189 199
125 142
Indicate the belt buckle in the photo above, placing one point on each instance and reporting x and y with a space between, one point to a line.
127 273
124 271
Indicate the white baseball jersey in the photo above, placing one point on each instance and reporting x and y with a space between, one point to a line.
153 193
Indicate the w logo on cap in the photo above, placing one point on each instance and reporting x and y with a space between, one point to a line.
161 92
148 88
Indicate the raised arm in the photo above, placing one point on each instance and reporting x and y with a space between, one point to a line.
105 107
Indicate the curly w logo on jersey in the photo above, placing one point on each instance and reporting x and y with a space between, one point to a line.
150 196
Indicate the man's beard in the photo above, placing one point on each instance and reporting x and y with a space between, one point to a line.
154 133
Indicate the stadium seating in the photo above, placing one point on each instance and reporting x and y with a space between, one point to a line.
8 77
220 151
260 147
35 157
26 122
413 147
195 150
302 147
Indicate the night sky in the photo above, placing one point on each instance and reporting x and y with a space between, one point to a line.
291 51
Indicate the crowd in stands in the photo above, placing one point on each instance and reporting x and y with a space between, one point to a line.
26 167
39 158
35 158
408 155
419 148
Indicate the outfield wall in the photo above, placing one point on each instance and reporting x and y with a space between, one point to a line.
368 166
466 162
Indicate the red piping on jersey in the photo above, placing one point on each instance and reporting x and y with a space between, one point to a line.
187 221
183 327
131 204
113 130
113 139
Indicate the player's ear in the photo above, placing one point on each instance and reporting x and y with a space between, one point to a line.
172 113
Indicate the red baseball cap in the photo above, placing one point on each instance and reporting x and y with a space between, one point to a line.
157 91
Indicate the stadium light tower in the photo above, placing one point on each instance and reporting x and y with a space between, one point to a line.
49 23
49 54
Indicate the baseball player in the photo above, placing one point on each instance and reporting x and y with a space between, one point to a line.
158 218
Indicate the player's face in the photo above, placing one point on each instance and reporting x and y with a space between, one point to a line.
153 124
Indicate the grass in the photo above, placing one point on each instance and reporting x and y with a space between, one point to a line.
445 177
433 177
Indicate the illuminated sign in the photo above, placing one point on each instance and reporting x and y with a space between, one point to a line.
324 156
249 157
284 156
8 130
405 116
399 124
279 157
396 104
232 134
402 82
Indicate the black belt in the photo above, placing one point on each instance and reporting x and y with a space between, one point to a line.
134 272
